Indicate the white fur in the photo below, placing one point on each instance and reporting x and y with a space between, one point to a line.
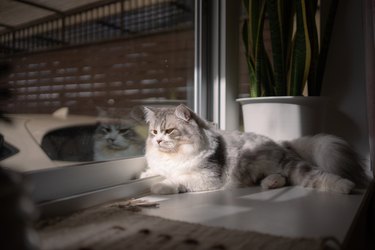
273 181
182 167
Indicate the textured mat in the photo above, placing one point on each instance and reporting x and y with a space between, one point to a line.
113 227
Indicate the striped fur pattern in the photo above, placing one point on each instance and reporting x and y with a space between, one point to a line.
193 156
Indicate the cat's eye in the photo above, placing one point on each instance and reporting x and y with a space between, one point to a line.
105 130
169 131
124 131
154 131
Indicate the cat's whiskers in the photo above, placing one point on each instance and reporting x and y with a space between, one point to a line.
117 147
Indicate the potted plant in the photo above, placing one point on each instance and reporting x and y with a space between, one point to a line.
280 70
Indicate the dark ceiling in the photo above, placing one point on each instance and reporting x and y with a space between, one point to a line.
18 13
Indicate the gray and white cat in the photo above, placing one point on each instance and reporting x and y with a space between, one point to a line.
117 137
193 156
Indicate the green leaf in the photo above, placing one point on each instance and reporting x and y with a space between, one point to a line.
280 13
301 52
263 69
257 59
311 7
296 58
255 89
268 83
325 43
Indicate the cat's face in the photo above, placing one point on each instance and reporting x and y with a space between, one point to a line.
171 131
115 135
166 134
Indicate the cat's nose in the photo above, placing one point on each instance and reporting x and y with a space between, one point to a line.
158 141
110 140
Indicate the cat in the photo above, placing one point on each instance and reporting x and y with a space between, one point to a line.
194 156
116 137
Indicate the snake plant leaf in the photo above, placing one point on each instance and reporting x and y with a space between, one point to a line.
278 53
301 52
325 42
268 83
262 64
256 54
311 8
255 16
254 88
296 56
280 13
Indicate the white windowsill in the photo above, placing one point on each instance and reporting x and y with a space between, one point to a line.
288 211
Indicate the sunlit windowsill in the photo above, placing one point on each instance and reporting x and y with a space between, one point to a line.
288 211
73 203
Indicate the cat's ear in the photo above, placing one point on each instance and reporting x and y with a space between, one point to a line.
183 112
137 113
186 114
149 114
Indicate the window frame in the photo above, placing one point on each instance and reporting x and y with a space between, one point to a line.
216 66
63 190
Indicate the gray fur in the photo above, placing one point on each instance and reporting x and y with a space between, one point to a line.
116 137
193 156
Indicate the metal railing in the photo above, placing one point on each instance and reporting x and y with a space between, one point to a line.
121 18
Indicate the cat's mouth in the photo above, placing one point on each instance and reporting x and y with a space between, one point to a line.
166 148
116 147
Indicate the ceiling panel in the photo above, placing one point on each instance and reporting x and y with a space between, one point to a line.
64 5
16 13
13 13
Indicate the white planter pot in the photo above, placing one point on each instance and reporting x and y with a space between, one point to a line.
284 118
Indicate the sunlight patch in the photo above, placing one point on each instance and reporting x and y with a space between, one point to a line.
278 195
207 212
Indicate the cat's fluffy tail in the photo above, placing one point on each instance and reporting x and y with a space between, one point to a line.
333 155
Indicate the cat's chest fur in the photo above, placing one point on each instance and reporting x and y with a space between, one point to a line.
187 159
102 152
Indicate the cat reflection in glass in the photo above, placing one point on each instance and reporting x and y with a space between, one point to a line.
117 136
194 156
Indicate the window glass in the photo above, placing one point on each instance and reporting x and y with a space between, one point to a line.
76 80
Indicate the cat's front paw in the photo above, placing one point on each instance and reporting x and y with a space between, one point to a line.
164 188
273 181
343 186
147 173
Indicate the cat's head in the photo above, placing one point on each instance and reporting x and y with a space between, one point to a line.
116 131
175 128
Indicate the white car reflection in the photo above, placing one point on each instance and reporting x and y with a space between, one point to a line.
55 154
34 142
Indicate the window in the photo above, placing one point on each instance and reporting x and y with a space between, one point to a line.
75 77
111 57
64 73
